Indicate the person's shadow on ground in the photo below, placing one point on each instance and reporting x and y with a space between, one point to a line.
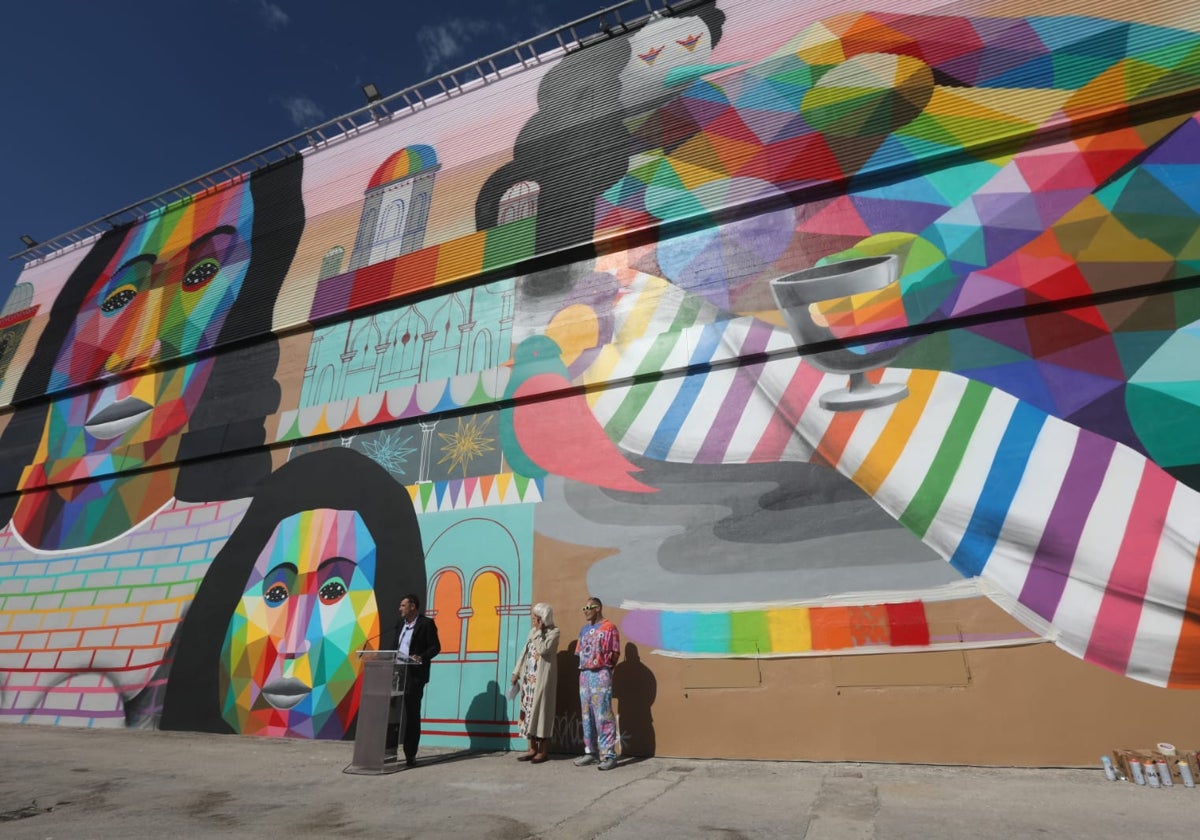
634 690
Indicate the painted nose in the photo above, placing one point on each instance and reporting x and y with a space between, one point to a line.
139 343
295 639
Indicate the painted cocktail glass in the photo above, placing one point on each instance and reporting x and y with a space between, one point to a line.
798 294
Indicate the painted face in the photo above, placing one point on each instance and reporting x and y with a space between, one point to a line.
288 666
164 295
659 47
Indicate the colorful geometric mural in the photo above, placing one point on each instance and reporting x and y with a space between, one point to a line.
308 605
775 331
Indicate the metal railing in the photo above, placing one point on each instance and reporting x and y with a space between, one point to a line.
618 19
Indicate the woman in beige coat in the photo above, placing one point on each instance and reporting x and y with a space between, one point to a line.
535 678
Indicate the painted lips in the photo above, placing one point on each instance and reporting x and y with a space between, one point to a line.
285 692
118 418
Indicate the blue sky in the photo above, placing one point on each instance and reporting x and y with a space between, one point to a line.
109 103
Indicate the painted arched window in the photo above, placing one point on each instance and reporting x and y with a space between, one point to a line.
481 352
520 201
446 322
406 340
392 223
325 386
363 344
483 631
331 265
367 227
447 601
420 210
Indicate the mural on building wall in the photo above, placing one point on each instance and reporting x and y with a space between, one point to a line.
314 571
867 96
1059 221
122 504
755 179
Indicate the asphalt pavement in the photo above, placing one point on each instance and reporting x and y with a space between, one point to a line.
64 783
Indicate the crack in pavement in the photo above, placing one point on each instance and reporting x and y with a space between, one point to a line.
618 803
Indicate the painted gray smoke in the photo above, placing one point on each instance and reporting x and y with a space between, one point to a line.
731 533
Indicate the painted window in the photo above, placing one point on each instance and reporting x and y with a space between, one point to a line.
447 600
483 629
520 201
392 223
331 265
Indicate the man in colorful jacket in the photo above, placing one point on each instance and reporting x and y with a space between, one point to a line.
598 651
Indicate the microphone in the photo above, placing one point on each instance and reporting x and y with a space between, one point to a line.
376 637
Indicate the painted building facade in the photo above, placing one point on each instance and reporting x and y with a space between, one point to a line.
849 358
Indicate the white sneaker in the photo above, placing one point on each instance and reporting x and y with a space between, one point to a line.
585 759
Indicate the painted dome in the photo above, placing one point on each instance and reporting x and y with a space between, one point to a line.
404 164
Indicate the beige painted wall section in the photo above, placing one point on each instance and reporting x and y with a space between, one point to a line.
1032 705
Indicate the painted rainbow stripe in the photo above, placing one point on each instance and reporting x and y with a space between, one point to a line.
780 631
405 163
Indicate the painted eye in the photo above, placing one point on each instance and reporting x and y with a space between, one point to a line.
276 595
198 275
332 592
118 300
650 55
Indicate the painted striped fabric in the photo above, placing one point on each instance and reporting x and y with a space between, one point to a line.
1080 538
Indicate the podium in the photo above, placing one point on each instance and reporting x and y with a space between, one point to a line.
381 704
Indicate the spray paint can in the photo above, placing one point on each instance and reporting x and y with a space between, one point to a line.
1185 773
1164 773
1109 772
1151 774
1135 767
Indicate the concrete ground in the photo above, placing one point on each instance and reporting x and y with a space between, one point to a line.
63 783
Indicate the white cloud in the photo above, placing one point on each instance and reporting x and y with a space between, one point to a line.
303 111
273 16
442 43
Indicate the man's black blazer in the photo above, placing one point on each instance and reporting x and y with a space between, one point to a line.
425 644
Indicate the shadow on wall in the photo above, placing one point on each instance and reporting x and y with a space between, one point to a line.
634 689
568 728
486 724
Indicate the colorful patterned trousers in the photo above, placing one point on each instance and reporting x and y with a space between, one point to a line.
595 704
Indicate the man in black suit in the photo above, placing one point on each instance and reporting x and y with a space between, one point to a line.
415 636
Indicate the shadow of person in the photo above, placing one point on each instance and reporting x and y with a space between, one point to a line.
634 689
568 726
487 722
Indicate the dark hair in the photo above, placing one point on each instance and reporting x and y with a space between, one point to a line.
241 391
599 603
412 599
335 478
576 145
